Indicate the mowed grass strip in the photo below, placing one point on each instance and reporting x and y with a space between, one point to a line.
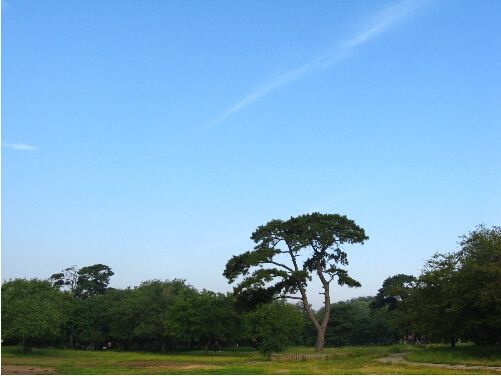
343 360
461 354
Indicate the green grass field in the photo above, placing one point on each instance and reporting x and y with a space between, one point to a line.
462 354
343 360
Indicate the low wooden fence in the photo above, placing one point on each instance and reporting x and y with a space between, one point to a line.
299 357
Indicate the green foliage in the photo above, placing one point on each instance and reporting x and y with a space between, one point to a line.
353 322
66 279
435 303
458 294
156 315
286 256
395 290
273 327
315 236
206 318
479 285
148 307
392 303
85 282
220 323
32 310
130 318
88 326
456 297
93 280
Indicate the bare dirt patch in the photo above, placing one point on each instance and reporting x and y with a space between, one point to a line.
26 370
168 365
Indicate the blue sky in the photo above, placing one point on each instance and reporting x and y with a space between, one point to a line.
155 136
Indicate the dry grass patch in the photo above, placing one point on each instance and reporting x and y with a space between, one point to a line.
167 365
26 370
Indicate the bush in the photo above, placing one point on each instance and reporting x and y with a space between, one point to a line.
272 327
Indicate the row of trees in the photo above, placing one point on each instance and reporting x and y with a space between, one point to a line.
171 315
155 316
457 296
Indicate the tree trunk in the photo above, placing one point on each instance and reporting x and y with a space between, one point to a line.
27 349
320 327
311 316
320 340
327 310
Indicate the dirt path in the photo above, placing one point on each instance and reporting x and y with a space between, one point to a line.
400 358
26 370
168 365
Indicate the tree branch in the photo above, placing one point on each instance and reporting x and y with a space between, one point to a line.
288 297
304 298
277 264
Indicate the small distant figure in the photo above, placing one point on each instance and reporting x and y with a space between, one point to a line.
414 339
109 345
217 346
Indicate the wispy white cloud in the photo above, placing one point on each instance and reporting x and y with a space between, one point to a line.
20 147
381 22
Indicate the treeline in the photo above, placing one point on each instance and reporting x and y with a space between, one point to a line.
456 297
155 316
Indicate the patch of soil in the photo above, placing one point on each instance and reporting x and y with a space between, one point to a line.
167 364
26 370
393 358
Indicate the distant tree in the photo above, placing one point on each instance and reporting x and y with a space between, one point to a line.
151 304
66 279
273 327
354 323
479 284
132 319
395 289
312 244
84 282
219 322
93 280
89 322
392 303
122 316
435 303
32 310
458 294
203 319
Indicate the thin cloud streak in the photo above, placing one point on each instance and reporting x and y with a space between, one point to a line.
20 147
380 23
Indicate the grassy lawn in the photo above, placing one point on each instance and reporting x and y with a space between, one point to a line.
461 354
344 360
